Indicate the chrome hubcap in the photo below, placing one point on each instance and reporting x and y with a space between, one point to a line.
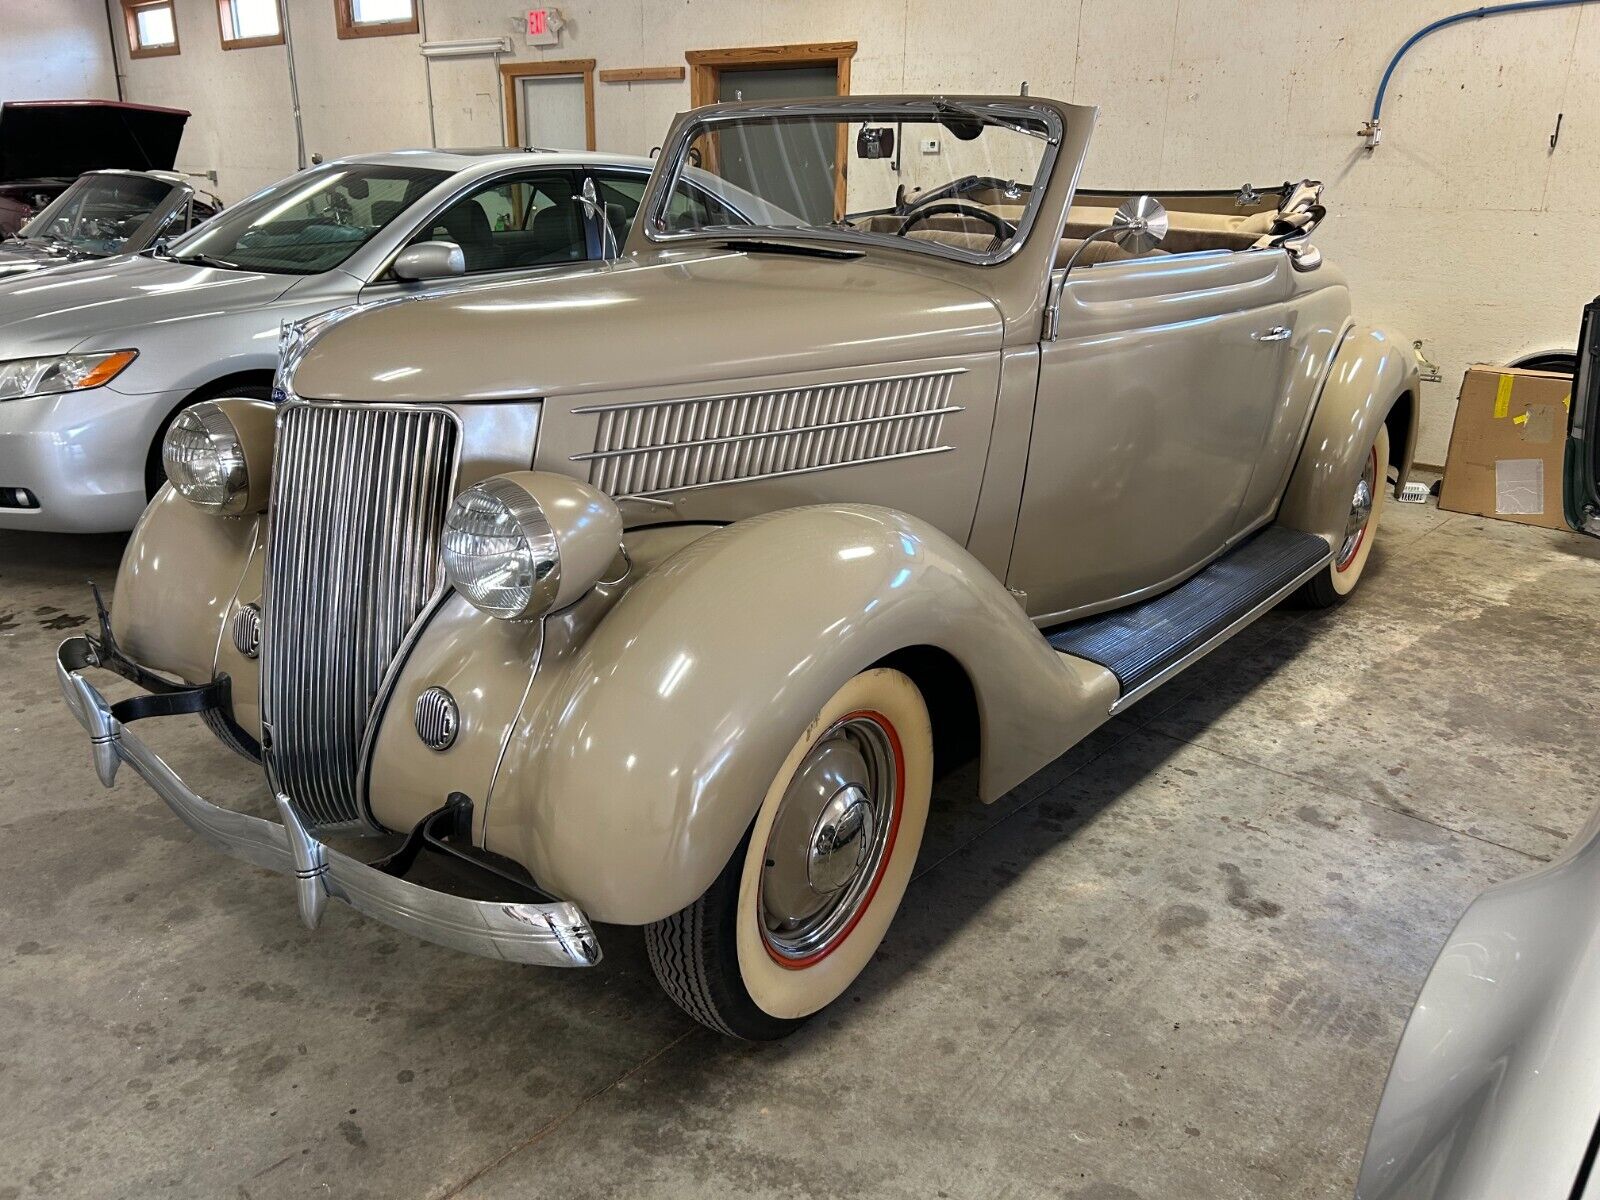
829 840
1360 511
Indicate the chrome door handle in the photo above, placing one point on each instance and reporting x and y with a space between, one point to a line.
1276 334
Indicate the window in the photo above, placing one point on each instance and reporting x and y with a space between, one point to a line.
152 27
525 221
99 212
374 18
688 207
309 223
246 23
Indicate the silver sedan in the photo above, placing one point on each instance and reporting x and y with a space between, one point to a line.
97 357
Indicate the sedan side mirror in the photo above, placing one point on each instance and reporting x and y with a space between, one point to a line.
430 260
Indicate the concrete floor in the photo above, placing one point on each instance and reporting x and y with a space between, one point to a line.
1174 964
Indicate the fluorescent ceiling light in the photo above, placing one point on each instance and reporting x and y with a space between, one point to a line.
500 45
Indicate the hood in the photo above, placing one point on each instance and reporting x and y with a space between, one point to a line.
707 318
50 312
19 258
65 138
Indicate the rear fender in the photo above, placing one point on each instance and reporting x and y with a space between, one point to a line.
1371 375
637 764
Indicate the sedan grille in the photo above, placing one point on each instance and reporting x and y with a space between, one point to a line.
359 494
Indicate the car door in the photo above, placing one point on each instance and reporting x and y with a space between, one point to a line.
1154 399
521 221
1582 482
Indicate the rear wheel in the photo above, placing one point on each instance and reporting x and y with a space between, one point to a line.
1334 583
154 473
804 902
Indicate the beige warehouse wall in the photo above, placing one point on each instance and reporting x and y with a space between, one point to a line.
1464 228
55 50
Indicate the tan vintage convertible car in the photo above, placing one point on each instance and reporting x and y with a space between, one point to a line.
659 594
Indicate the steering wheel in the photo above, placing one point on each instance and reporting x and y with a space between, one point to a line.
1003 228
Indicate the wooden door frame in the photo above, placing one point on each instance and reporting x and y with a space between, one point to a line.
512 71
706 65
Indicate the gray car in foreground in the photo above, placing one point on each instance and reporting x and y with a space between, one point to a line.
97 357
1495 1090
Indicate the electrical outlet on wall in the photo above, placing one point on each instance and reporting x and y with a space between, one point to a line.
929 145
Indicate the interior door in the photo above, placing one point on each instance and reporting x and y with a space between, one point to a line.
552 112
759 159
1154 398
1582 483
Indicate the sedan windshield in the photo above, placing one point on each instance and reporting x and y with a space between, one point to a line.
98 213
945 177
310 222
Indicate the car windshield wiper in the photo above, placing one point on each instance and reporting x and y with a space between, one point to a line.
205 260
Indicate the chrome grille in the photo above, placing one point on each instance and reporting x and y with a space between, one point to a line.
652 447
359 494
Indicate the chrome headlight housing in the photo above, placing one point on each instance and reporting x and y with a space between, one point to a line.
519 545
58 373
500 552
205 460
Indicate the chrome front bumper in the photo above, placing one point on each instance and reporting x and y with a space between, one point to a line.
555 934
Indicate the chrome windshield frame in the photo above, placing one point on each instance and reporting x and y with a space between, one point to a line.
846 110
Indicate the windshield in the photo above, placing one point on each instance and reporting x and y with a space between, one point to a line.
949 178
98 213
310 222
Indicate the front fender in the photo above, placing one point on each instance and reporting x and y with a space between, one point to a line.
1370 373
176 589
639 761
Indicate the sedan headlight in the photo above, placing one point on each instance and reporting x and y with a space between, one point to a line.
218 455
22 377
518 546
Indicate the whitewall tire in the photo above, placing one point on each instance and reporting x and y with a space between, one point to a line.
806 899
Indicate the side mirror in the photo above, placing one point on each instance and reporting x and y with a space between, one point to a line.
430 260
1138 226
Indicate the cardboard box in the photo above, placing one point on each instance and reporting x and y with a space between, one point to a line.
1507 446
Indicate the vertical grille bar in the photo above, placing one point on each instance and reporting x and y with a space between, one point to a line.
359 494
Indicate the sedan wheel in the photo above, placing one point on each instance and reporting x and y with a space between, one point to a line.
807 898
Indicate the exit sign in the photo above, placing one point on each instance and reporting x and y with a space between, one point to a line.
544 26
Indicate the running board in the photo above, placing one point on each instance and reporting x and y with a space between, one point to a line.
1146 644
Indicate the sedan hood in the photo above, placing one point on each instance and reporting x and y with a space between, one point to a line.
65 138
706 318
84 304
19 258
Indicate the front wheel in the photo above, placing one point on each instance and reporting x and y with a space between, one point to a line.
1333 584
804 902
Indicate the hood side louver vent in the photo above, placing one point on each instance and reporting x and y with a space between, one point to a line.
655 447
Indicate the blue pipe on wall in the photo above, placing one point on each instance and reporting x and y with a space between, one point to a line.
1474 14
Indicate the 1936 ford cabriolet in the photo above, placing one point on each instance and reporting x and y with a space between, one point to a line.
657 594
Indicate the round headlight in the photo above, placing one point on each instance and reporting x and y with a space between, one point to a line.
500 552
205 461
519 545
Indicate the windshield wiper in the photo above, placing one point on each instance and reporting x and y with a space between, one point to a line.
206 260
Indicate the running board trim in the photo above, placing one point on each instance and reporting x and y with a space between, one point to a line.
1244 620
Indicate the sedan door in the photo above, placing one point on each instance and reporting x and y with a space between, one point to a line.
527 220
1154 400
